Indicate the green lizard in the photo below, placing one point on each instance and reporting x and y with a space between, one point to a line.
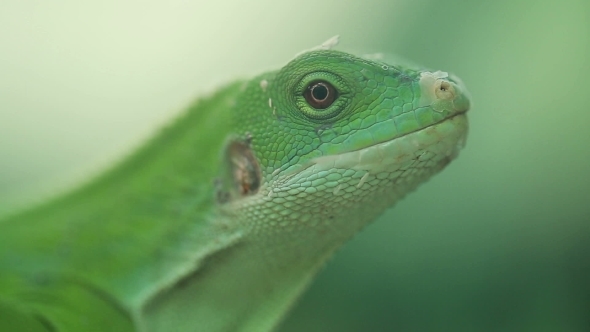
221 221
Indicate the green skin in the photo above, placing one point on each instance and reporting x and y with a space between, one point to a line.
222 220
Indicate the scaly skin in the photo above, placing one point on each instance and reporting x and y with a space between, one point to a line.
220 222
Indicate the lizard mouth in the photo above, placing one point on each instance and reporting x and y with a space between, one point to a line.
425 128
426 147
444 138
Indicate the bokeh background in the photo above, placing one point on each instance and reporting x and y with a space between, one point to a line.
500 241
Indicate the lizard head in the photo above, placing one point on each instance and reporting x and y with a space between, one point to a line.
331 140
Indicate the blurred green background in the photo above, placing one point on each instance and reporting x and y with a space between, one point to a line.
499 241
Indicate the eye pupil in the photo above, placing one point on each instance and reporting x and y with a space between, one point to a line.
319 91
320 94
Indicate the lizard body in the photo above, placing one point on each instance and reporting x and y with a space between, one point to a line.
220 221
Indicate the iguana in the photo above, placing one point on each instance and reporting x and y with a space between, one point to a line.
220 221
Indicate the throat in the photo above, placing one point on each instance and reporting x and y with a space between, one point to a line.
235 288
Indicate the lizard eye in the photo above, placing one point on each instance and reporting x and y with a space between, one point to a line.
320 94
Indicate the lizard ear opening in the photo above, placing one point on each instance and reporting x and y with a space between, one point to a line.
242 172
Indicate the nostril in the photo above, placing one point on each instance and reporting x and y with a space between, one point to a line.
444 90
